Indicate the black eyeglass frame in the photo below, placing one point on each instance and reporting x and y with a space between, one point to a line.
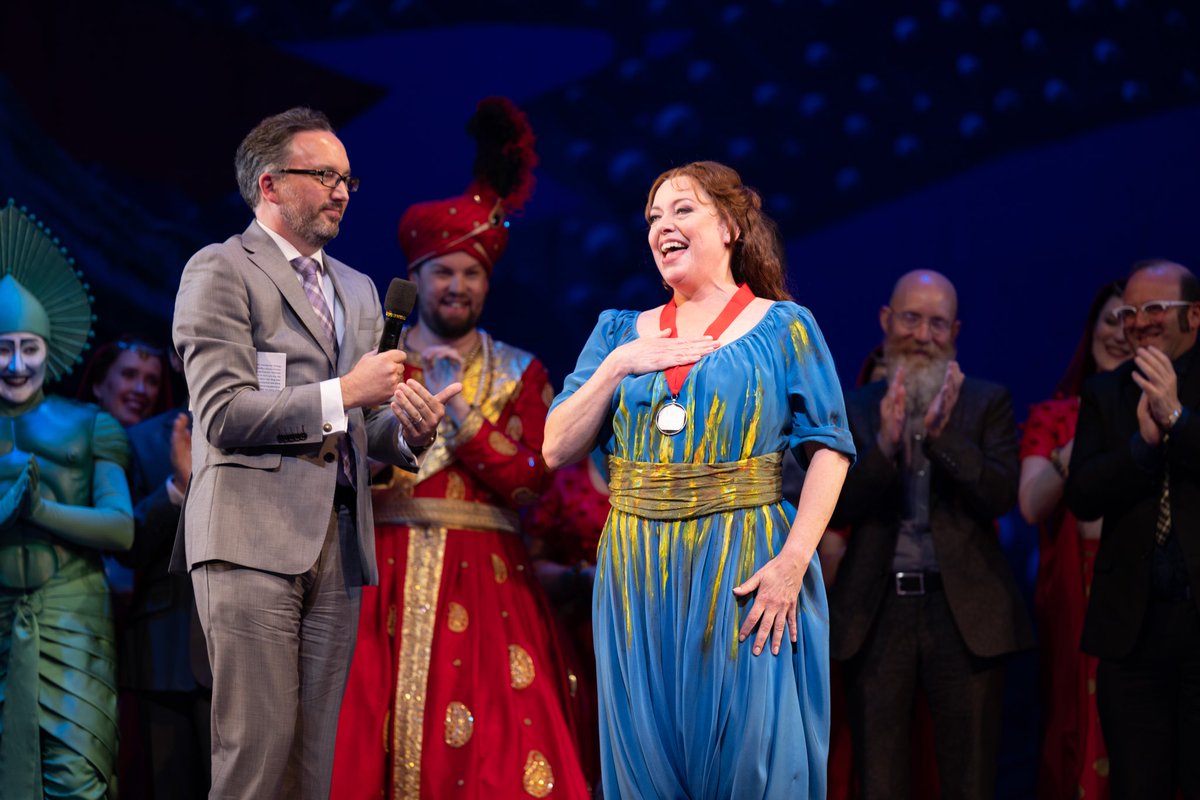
325 175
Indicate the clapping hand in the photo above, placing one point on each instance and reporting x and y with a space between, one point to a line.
1155 376
938 413
893 413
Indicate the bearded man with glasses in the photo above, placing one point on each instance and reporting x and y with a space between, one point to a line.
1137 449
289 397
924 596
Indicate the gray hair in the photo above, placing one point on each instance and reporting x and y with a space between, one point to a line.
268 147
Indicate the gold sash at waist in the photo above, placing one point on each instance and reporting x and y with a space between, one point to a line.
683 491
433 512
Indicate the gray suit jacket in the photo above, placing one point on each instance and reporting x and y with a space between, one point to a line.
975 469
262 476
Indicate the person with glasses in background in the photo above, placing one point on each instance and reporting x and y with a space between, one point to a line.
924 596
289 397
1134 464
1074 762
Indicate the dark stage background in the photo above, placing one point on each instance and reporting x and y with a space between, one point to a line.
1029 149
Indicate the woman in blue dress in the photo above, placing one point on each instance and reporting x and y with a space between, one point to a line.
703 568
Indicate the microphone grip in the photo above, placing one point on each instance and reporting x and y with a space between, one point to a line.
393 324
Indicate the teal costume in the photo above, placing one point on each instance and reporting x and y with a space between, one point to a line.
63 498
685 709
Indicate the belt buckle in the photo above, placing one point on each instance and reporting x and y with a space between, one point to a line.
904 580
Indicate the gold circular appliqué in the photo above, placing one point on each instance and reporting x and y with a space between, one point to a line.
460 724
501 444
457 618
520 666
539 777
499 568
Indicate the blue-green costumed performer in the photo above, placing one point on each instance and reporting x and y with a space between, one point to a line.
63 499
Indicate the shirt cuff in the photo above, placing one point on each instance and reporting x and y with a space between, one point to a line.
333 414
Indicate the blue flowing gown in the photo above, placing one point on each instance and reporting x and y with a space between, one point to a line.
685 710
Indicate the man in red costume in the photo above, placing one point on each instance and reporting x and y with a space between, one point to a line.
458 686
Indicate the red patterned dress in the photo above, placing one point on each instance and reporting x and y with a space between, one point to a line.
567 522
1074 762
459 687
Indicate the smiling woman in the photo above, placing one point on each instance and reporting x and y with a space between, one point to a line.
703 568
128 378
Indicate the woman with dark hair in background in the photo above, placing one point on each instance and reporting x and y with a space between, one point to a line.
702 567
129 379
1073 760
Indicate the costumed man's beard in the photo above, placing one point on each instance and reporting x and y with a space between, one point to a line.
437 322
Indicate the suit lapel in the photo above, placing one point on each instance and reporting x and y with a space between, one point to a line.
265 254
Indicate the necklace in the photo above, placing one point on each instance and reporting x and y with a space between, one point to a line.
672 417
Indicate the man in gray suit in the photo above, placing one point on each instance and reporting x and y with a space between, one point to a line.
289 399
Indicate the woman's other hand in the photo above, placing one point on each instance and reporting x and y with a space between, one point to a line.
776 589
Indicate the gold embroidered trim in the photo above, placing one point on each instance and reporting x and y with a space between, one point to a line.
460 724
456 487
426 549
499 568
457 618
539 777
395 509
520 666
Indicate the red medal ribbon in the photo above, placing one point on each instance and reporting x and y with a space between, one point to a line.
678 374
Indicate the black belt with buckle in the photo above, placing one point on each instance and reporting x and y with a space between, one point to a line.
917 583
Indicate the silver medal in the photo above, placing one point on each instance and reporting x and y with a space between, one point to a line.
671 418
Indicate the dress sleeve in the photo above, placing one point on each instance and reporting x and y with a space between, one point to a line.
1051 424
814 394
605 336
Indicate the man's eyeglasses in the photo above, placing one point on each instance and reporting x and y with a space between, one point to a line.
910 321
1154 311
329 178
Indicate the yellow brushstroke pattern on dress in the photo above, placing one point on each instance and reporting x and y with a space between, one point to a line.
628 538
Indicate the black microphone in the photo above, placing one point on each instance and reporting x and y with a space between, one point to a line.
397 305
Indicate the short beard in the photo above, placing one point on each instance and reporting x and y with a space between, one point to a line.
311 228
436 324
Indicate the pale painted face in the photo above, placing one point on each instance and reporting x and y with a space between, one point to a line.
1110 348
22 366
689 240
130 388
451 290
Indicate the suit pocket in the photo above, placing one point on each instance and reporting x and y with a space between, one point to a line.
252 460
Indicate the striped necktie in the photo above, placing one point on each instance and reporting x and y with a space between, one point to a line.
308 269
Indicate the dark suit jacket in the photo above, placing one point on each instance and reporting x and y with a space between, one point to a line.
974 481
1106 481
161 649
